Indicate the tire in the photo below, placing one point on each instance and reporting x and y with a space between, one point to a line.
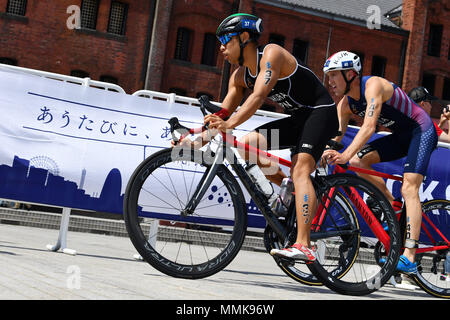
337 257
366 274
430 265
193 246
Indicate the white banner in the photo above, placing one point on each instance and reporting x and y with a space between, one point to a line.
74 146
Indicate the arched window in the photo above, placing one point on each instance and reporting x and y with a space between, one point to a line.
10 61
79 74
182 47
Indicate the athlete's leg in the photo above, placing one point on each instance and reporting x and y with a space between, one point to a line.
365 161
303 165
410 192
423 142
271 169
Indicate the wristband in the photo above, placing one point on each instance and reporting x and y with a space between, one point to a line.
222 113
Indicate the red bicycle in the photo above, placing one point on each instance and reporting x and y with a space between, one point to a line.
434 247
186 215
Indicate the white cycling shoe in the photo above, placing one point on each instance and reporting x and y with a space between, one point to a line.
296 252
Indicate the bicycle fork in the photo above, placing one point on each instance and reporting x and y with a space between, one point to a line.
204 184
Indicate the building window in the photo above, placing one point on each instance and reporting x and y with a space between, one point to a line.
89 12
79 74
183 43
210 46
109 79
434 40
446 90
17 7
428 81
10 61
300 50
117 18
277 39
178 91
378 66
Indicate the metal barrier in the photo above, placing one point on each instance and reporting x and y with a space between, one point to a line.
87 82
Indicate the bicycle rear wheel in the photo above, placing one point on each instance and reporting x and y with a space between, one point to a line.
336 237
193 246
431 265
366 274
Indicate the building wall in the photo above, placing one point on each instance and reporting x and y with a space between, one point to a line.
193 77
417 15
342 36
439 13
41 40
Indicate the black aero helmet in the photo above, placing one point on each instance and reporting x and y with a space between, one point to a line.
240 22
237 23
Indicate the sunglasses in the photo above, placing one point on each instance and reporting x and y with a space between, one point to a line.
227 37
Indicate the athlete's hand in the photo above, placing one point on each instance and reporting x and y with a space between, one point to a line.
216 122
446 112
334 157
186 142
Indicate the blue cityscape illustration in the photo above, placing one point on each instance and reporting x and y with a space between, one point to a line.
24 182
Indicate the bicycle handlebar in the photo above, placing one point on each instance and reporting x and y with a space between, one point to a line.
335 145
206 104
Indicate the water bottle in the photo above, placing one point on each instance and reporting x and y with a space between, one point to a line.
281 205
261 182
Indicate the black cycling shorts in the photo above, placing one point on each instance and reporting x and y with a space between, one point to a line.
306 131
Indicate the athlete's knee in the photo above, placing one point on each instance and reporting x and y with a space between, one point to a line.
302 167
355 161
253 139
410 188
365 158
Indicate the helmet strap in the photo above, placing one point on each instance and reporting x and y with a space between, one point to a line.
348 82
242 45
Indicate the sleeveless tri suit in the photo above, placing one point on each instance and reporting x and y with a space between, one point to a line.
413 131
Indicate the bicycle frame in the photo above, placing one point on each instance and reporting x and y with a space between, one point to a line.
229 141
233 159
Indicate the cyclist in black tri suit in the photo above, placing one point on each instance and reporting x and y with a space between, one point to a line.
379 101
273 72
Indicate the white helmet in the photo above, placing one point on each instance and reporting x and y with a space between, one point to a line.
342 60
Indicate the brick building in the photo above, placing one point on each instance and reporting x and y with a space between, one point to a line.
112 44
428 58
169 45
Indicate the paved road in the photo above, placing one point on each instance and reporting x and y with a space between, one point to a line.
104 269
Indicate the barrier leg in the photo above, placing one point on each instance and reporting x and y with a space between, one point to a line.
321 248
400 284
62 238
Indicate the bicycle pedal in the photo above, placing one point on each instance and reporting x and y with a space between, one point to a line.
286 262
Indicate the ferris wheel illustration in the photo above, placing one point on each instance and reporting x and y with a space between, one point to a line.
44 162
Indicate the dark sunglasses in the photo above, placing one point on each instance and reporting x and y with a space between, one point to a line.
227 37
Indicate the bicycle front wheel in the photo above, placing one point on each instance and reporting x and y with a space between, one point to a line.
367 273
433 267
186 246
